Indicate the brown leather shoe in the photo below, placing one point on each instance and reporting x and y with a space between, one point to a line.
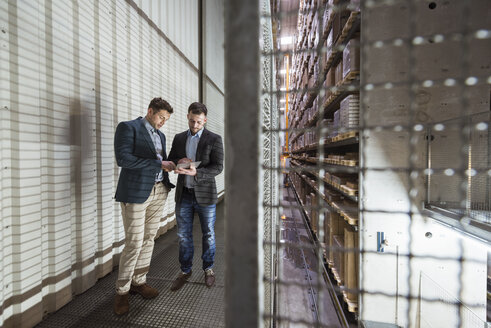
180 281
209 278
144 290
121 304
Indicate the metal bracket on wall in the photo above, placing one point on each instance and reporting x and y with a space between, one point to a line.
380 241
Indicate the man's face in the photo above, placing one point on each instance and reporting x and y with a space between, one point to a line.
196 122
157 119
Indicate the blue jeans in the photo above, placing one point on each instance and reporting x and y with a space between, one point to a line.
184 216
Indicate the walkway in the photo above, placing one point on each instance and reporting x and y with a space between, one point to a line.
194 305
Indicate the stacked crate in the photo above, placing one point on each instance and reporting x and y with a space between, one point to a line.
338 257
340 18
351 266
314 217
338 72
351 58
335 232
329 83
329 124
350 112
336 123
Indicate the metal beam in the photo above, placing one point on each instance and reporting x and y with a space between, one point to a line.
242 146
201 28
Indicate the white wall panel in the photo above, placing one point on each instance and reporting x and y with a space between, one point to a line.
215 103
178 20
214 41
213 61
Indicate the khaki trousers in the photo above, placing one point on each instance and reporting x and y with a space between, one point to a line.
141 223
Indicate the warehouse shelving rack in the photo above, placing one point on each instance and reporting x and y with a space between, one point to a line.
314 102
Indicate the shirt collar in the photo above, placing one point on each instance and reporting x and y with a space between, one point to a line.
148 126
199 133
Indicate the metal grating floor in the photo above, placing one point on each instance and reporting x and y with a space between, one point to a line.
194 305
297 303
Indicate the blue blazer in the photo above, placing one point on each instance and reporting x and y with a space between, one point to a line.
137 157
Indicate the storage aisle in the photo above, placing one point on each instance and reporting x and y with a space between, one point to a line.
298 294
194 305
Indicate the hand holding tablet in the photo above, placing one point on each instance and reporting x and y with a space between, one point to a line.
188 165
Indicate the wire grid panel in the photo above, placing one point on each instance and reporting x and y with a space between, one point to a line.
444 183
268 119
360 165
424 144
434 297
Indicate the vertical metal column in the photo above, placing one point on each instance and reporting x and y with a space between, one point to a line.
201 28
242 281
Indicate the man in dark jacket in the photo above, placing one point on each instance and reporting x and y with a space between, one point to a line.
196 191
142 191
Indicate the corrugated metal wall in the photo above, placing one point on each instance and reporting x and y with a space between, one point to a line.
213 62
70 71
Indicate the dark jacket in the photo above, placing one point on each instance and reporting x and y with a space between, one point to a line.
136 155
210 153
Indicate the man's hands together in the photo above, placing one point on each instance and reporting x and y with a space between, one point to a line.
190 171
168 166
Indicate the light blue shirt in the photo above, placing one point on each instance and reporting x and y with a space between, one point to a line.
191 147
157 142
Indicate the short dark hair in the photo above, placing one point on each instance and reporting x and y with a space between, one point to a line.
157 104
197 108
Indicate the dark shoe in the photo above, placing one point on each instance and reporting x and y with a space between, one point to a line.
121 304
180 281
144 290
209 278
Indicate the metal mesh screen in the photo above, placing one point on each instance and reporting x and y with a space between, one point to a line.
269 141
444 193
383 211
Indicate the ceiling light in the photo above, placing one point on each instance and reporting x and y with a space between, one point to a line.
286 40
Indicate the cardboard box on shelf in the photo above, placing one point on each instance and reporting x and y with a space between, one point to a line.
335 228
329 124
336 120
325 239
351 57
352 184
340 19
353 156
314 212
338 257
340 178
350 112
326 15
329 44
339 72
351 258
328 84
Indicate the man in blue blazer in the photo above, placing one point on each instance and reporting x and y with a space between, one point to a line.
142 190
196 191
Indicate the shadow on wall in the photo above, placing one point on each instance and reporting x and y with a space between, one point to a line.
81 188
